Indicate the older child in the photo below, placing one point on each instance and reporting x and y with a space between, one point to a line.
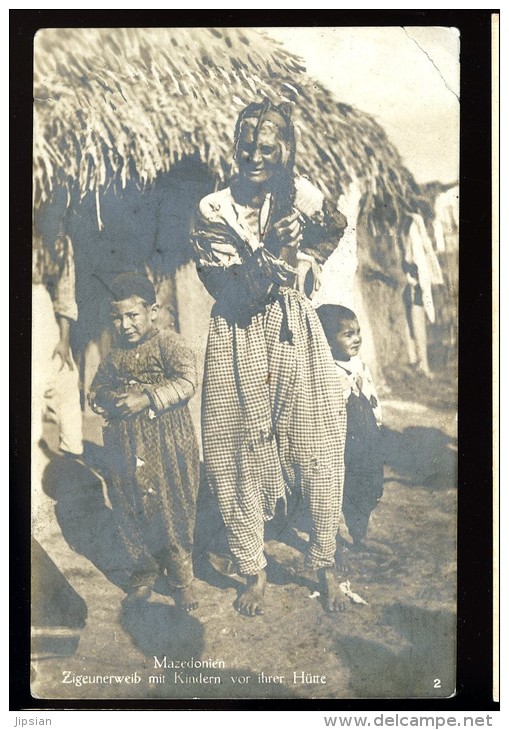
363 454
142 388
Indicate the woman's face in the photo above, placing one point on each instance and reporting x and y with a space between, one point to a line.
258 151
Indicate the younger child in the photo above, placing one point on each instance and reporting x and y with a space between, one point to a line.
363 453
142 389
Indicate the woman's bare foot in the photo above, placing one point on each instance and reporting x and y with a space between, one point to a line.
185 598
335 599
251 598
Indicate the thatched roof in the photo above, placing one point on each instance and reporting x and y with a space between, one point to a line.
127 104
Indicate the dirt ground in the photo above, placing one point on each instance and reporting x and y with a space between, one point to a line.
400 644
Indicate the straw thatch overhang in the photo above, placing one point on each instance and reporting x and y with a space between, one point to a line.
114 106
133 126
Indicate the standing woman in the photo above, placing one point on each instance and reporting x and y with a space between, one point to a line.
274 417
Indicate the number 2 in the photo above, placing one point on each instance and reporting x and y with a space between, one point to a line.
437 683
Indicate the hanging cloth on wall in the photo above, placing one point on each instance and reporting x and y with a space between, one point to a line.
425 258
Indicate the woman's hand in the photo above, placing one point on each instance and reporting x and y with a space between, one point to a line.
307 263
289 229
129 404
225 253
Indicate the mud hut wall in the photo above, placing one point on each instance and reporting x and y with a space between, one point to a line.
131 229
386 314
194 304
379 290
123 241
340 281
444 333
381 282
341 284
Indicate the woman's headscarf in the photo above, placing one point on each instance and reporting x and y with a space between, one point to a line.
280 116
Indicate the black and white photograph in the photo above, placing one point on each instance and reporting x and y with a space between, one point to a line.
244 392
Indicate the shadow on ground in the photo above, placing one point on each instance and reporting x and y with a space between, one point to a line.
58 613
416 661
421 456
416 456
87 524
165 636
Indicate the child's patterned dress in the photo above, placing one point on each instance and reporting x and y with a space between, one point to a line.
153 456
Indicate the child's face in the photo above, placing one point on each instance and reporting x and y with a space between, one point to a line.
133 318
348 340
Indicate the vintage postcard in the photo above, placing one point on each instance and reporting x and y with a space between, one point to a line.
244 381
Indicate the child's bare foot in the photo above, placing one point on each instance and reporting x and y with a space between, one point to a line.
335 599
250 601
358 545
185 598
365 545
